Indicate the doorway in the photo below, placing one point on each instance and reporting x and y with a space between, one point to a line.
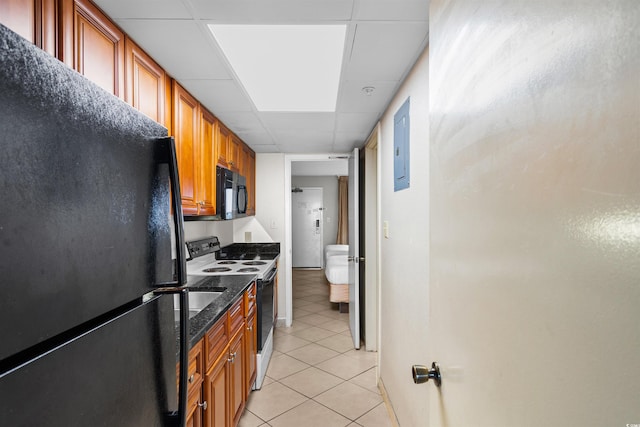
306 227
325 165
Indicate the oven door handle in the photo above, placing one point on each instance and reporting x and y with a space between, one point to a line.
272 275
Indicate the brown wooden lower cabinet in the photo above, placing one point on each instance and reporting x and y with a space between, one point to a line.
251 345
218 398
194 384
216 385
237 398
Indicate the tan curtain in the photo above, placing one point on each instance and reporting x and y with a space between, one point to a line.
343 211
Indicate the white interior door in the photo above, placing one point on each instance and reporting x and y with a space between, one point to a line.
354 250
534 255
306 223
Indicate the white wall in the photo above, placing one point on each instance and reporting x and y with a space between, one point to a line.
194 230
250 230
270 211
405 254
329 185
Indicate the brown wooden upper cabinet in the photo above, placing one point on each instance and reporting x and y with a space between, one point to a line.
144 82
223 137
206 191
79 34
247 167
233 156
186 132
92 45
35 20
194 129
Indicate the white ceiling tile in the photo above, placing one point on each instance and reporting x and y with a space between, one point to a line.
241 121
256 139
353 100
385 51
273 11
356 122
182 48
266 149
346 142
143 9
320 168
218 95
304 148
304 138
298 121
384 38
391 10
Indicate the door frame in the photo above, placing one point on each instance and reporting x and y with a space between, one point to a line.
372 227
373 267
286 257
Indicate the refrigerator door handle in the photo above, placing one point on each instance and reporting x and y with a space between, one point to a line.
178 220
180 418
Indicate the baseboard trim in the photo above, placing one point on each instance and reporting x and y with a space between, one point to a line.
387 403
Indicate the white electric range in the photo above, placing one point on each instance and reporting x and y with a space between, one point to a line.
208 265
203 261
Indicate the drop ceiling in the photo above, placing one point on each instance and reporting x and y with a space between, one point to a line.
383 40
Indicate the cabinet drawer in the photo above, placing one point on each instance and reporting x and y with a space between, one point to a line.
236 316
215 341
250 299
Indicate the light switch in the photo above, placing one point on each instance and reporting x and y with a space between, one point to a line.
385 229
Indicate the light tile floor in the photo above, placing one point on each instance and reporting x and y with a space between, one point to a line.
315 377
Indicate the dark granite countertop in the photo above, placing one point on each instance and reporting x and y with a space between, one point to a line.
239 251
235 285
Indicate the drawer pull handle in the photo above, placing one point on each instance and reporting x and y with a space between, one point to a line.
203 405
191 378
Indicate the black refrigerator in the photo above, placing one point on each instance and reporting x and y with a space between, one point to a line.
91 253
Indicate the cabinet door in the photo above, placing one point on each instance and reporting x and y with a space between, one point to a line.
251 183
206 194
233 156
216 393
35 20
185 129
93 45
194 386
20 16
223 138
236 378
251 349
195 416
144 82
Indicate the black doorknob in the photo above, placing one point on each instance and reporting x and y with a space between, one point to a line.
422 374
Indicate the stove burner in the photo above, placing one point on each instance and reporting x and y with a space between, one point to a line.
216 270
248 270
227 262
254 263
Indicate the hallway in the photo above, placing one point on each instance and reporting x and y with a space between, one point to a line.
315 377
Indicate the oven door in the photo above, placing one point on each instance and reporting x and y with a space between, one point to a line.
265 307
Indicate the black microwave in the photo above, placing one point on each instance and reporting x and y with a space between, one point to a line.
231 194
